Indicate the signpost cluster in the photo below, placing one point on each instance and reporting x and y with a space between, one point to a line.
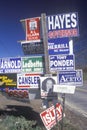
50 40
56 32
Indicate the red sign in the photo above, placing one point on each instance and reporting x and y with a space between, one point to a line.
33 29
51 115
19 93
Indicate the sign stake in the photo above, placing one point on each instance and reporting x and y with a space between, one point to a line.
63 98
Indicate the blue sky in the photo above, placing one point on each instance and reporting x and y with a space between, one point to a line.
12 11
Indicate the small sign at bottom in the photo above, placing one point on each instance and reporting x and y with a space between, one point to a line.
64 89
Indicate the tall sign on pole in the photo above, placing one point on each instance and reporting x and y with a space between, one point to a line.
63 25
33 29
61 28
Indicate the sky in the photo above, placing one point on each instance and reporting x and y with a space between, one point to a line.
12 11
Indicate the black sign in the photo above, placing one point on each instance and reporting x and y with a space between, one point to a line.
33 48
8 80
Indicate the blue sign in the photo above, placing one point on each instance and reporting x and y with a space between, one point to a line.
58 46
62 62
10 65
70 77
62 25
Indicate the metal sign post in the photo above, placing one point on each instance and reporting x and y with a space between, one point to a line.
63 97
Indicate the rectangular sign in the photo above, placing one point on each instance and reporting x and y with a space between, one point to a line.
64 89
8 80
28 80
33 29
62 62
58 46
62 25
17 93
35 48
32 64
10 65
46 86
51 115
8 85
70 77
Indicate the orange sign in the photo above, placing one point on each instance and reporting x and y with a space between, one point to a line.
33 29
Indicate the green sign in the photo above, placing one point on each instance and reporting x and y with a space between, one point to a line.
32 64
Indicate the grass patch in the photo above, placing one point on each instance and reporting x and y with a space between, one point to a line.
20 123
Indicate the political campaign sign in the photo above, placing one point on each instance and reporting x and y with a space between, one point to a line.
71 77
32 64
35 48
61 62
51 115
46 86
10 65
8 85
17 93
26 80
68 89
58 46
62 25
33 29
8 80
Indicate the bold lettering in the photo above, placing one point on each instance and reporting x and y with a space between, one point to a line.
71 62
61 17
74 21
63 79
57 24
59 109
50 22
48 118
52 115
67 19
45 120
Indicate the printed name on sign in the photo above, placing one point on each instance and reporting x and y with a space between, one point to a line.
51 115
28 80
62 25
62 21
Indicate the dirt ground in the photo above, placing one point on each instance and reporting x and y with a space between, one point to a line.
31 110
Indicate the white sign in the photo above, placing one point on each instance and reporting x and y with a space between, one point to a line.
64 89
51 115
46 85
28 80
